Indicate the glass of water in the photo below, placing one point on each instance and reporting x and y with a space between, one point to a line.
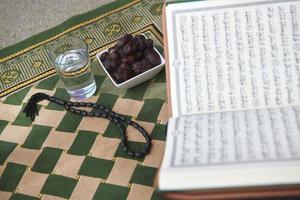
71 59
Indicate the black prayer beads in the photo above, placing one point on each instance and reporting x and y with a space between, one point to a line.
98 111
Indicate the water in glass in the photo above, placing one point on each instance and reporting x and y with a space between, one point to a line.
73 66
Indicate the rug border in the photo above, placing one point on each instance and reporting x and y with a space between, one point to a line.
151 27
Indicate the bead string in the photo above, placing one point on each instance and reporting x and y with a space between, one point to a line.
102 112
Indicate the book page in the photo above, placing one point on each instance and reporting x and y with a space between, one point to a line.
233 55
248 136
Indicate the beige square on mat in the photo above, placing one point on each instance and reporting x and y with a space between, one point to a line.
85 188
138 192
105 147
155 157
16 134
121 171
24 156
2 168
92 99
5 195
49 117
128 107
32 91
50 197
134 135
31 183
163 115
9 112
93 124
58 139
68 165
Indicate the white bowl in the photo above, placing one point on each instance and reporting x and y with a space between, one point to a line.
138 79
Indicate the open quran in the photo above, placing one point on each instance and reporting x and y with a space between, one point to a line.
233 72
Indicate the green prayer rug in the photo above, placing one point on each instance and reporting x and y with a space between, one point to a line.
65 156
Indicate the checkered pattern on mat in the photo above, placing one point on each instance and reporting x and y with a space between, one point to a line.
64 156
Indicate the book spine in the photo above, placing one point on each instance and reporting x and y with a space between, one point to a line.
166 55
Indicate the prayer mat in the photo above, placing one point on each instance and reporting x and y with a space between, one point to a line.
65 156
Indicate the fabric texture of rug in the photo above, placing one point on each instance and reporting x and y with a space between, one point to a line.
64 156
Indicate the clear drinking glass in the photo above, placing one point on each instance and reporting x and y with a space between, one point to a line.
71 59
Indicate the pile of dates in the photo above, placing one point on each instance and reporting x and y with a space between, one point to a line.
132 55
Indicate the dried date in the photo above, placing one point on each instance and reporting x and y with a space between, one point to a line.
129 57
152 56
